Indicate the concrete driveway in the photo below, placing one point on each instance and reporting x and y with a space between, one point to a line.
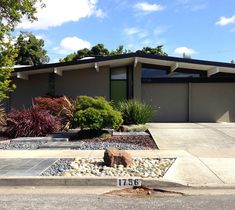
189 136
211 147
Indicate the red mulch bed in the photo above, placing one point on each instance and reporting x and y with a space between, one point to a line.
95 136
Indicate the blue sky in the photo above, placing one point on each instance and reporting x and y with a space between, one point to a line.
204 29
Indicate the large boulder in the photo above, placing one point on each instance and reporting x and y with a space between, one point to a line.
114 156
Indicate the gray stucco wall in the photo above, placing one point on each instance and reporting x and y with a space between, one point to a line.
26 90
73 83
83 82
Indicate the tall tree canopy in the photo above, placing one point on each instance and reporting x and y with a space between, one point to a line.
30 50
11 13
100 50
155 51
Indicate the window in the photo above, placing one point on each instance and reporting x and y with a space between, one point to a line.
154 73
118 74
118 84
157 73
183 74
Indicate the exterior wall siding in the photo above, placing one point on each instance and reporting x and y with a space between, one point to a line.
171 98
26 90
73 83
83 82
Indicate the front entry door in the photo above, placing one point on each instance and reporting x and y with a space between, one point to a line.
119 84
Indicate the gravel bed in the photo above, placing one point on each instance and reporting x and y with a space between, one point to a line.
94 167
58 168
18 145
141 141
104 145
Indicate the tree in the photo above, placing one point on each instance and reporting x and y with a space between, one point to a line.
155 51
186 56
30 50
120 50
69 57
100 50
11 14
82 53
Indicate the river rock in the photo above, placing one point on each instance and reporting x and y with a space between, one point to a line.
114 156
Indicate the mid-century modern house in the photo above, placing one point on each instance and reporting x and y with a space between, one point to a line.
186 90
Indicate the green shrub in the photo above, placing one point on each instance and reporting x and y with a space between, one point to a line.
135 112
95 113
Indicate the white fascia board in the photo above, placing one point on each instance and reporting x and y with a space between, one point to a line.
97 67
58 72
21 75
174 66
135 62
213 71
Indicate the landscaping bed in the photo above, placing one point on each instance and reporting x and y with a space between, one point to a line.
96 124
98 143
94 167
21 145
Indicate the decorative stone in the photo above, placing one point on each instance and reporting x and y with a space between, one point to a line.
74 165
67 174
114 156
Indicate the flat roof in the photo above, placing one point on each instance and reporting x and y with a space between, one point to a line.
212 67
128 55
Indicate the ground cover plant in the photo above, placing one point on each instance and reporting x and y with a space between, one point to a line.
31 122
135 112
95 113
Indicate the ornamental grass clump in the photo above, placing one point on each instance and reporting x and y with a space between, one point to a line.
135 112
62 107
31 122
95 113
2 116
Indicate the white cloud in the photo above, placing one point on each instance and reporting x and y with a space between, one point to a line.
159 30
71 44
58 12
193 5
46 39
223 21
131 31
186 50
100 13
147 7
136 38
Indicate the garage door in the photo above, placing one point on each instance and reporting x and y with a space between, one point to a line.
172 98
212 102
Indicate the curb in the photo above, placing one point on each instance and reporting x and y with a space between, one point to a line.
101 182
70 181
150 134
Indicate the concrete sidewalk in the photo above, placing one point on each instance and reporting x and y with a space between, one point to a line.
187 170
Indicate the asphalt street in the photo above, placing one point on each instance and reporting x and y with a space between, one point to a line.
66 200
